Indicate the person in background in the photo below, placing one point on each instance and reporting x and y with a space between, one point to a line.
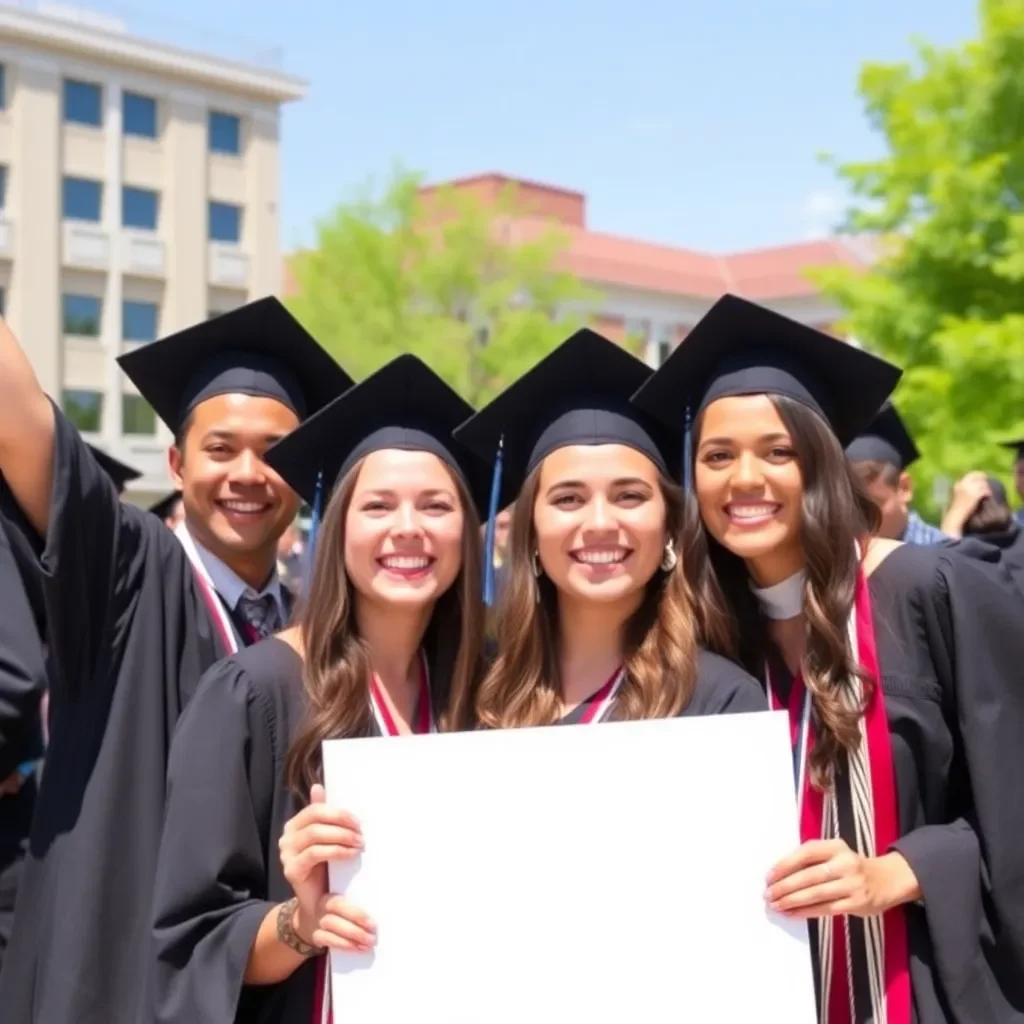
170 509
22 685
1017 447
291 558
501 525
880 456
134 616
981 509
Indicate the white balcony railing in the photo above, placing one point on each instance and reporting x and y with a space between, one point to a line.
86 245
143 253
228 265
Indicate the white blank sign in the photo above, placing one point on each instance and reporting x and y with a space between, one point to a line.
607 874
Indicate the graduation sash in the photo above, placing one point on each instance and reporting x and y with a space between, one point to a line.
423 723
601 703
222 621
863 961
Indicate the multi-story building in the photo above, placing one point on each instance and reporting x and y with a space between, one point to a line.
656 293
138 195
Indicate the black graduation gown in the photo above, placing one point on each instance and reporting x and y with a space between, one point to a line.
950 637
1010 544
129 638
22 684
722 688
220 869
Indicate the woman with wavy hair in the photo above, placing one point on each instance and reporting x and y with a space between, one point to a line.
387 642
597 619
898 664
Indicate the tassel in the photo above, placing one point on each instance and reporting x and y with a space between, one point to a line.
492 523
687 451
314 523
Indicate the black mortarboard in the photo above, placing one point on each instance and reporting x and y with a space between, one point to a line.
1016 446
119 473
740 348
578 394
403 405
163 508
257 349
886 439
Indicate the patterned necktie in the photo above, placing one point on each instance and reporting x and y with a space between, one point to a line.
260 613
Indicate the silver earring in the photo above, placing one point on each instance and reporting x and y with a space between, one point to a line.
668 560
535 562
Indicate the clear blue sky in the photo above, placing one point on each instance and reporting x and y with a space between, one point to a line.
692 122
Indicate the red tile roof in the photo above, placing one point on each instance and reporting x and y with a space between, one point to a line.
777 272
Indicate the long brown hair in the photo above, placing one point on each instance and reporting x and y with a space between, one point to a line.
337 670
660 656
836 513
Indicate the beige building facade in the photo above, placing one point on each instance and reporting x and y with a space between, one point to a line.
138 195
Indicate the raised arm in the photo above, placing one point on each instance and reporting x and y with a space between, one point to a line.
26 433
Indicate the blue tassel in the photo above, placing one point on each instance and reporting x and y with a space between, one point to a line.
492 523
687 451
314 523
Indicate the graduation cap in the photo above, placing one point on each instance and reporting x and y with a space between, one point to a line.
403 405
1015 446
886 439
163 508
740 348
577 395
998 489
119 473
257 349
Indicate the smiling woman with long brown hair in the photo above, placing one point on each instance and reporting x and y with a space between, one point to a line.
387 643
597 618
899 666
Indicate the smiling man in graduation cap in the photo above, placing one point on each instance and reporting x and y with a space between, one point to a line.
135 614
880 457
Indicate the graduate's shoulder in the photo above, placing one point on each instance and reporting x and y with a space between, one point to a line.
937 573
268 672
722 686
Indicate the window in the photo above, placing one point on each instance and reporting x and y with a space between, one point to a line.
139 321
3 302
139 115
139 208
225 133
84 409
225 222
83 103
82 199
137 416
3 187
3 86
82 315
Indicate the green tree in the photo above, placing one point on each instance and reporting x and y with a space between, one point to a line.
946 201
460 283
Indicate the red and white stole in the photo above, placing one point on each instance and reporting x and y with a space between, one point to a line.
222 621
864 800
424 723
601 703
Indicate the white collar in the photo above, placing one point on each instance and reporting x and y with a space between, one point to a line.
784 600
224 580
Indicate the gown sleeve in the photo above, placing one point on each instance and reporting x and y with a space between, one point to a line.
212 871
90 560
22 675
723 687
972 869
